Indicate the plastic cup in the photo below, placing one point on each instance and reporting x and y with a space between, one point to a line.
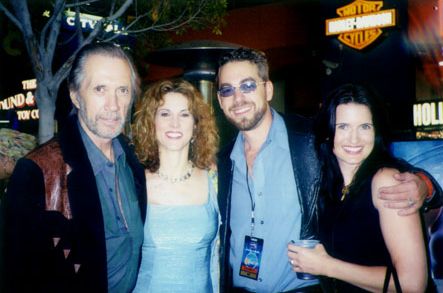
308 243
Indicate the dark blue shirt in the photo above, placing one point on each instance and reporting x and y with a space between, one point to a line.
123 225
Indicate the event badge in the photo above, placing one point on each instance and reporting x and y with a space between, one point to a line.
252 252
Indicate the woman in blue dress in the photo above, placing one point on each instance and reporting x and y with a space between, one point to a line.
176 139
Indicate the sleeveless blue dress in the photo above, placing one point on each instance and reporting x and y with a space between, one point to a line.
177 247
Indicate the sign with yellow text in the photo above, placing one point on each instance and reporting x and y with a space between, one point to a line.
23 104
360 23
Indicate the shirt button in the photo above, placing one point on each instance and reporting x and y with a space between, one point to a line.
260 194
109 164
262 222
260 280
111 190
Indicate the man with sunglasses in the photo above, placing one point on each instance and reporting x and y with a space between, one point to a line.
268 182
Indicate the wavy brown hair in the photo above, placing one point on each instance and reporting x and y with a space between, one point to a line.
205 137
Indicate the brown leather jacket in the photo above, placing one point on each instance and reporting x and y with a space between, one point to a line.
54 239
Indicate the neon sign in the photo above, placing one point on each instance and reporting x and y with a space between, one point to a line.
21 100
360 23
429 114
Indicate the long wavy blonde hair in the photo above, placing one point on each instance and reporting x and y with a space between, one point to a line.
205 137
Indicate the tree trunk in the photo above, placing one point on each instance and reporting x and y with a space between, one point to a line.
46 104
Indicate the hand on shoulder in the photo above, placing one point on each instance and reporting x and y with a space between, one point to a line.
383 178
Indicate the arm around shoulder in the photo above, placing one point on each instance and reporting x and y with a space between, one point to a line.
435 198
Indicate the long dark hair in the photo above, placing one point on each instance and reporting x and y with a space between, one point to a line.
325 132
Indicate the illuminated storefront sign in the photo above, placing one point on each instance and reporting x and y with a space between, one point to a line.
23 103
428 114
88 22
360 23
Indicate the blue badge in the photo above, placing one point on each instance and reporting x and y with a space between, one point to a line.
252 252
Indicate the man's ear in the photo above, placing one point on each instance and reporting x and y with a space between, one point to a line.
74 99
269 90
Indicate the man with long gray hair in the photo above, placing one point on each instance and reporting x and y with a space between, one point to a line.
75 206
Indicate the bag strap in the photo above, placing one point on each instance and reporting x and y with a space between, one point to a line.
387 278
396 280
391 269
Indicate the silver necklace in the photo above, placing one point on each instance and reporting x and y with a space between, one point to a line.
182 178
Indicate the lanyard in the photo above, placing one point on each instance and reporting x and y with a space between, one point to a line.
252 201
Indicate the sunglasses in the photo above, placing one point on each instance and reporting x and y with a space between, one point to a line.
245 87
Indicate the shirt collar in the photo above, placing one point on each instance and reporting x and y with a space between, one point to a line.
277 133
96 157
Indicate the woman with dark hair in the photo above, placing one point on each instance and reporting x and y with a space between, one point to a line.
362 240
176 139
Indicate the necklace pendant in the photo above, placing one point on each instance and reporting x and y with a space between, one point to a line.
344 192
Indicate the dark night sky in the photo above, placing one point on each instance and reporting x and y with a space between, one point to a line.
387 65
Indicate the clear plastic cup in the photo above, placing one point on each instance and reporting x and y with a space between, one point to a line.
308 243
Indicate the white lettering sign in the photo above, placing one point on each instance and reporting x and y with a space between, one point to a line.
88 21
428 114
341 25
18 101
22 100
30 84
28 114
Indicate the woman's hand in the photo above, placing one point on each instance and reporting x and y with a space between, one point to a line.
308 260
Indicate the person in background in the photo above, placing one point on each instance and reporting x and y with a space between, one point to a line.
176 140
363 241
75 206
269 179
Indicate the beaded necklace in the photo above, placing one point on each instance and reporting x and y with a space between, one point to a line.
182 178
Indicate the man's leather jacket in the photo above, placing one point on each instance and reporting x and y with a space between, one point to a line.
306 173
54 238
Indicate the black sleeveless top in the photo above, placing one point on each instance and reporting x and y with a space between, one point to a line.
350 231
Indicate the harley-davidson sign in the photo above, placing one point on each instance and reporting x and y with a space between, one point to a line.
360 23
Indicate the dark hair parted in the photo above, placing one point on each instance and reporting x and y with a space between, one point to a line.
246 54
325 132
205 145
77 73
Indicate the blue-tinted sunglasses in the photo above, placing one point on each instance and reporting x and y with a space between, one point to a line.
245 87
